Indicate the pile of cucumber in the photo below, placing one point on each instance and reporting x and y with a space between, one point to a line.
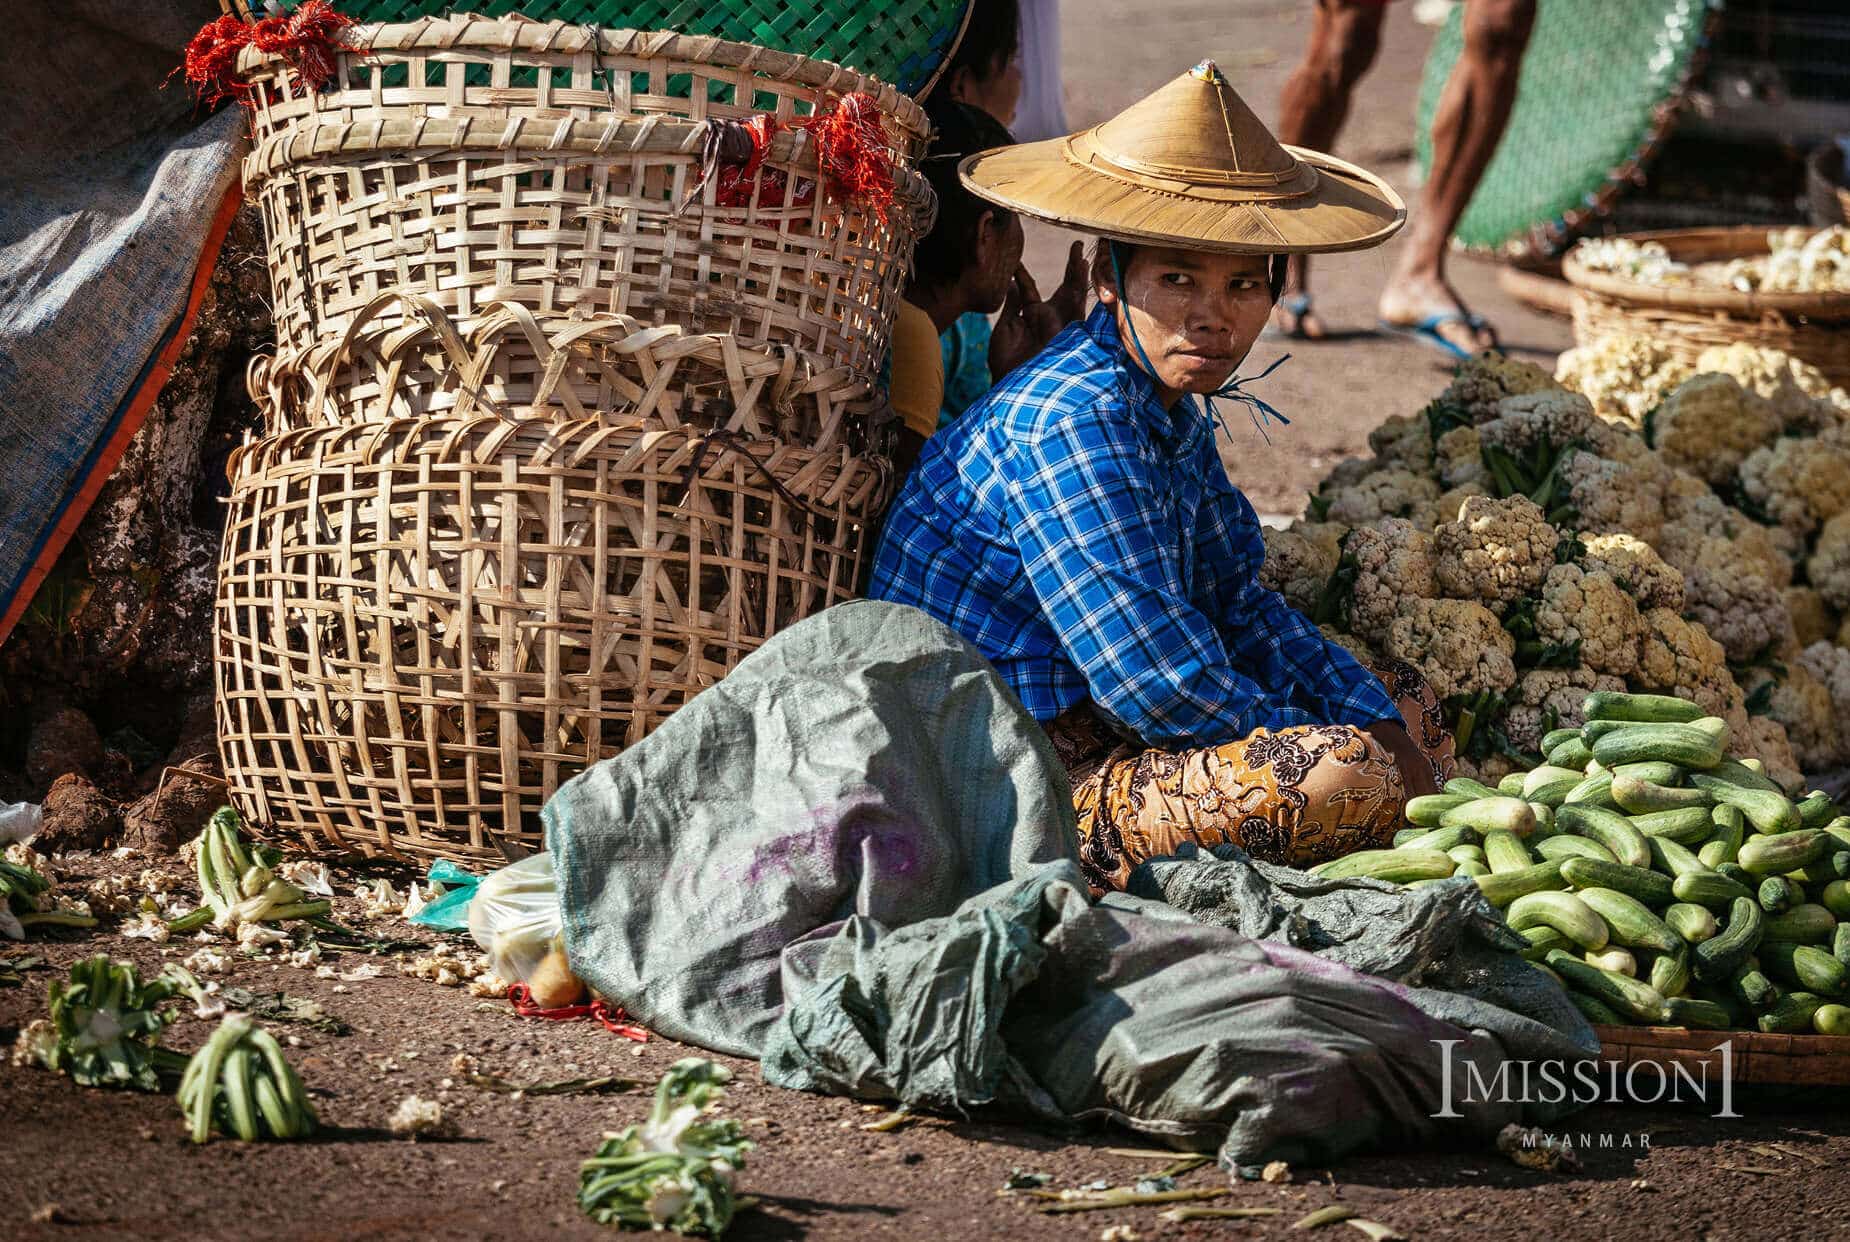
1662 882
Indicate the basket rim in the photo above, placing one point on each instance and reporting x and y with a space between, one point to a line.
1741 241
437 34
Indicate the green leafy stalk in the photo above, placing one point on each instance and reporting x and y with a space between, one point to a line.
106 1022
676 1170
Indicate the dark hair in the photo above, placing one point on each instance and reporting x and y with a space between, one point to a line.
958 130
1101 264
990 41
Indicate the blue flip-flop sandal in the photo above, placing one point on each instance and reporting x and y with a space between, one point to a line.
1426 332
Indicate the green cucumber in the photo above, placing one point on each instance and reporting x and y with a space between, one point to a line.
1725 837
1831 1020
1753 989
1776 855
1440 839
1804 966
1500 888
1672 859
1594 1011
1618 961
1636 1000
1470 867
1734 872
1767 811
1711 890
1669 972
1835 865
1639 708
1637 797
1466 853
1544 822
1573 753
1491 814
1669 775
1609 828
1692 922
1402 866
1816 809
1594 730
1836 898
1631 924
1839 830
1596 790
1740 775
1802 924
1472 789
1699 745
1566 846
1511 784
1554 737
1720 956
1705 1014
1564 912
1547 775
1504 851
1777 894
1543 938
1840 943
1791 1013
1685 825
1425 810
1640 883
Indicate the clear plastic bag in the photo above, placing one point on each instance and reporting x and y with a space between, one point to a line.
514 917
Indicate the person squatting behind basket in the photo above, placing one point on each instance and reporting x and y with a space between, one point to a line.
1078 527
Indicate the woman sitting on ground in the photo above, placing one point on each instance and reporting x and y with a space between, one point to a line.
1078 526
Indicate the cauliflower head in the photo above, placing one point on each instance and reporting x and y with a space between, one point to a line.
1403 440
1711 533
1829 565
1299 562
1798 392
1709 425
1812 618
1394 492
1800 484
1459 458
1802 704
1393 561
1636 567
1741 610
1452 503
1829 665
1554 417
1625 377
1765 739
1352 643
1496 552
1551 698
1481 382
1591 609
1611 497
1459 646
1680 657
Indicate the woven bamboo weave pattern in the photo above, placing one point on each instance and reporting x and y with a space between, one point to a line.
900 41
579 193
1814 327
514 365
426 625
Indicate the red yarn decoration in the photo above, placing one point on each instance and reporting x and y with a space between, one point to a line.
307 38
851 153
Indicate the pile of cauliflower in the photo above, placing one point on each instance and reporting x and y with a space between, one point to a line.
1628 523
1798 260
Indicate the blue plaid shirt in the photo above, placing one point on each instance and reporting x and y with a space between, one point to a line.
1088 542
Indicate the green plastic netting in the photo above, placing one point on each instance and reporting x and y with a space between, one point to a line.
898 41
1600 85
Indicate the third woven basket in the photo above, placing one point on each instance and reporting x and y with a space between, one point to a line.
574 171
425 626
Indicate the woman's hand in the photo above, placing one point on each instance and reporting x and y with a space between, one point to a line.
1027 323
1416 773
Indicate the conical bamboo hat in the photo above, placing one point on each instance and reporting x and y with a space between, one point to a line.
1191 166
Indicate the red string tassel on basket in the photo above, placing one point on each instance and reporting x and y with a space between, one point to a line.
308 38
851 152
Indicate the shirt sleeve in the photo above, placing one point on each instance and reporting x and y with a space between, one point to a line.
1282 643
916 383
1104 558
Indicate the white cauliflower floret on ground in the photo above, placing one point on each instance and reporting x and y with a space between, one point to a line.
1800 484
1459 458
1798 392
1829 565
1394 561
1459 646
1625 377
1681 658
1636 567
1551 698
1403 440
1481 382
416 1117
1742 611
1709 425
1590 609
1610 497
1812 619
1394 492
1765 739
1801 703
1298 563
1554 417
1496 552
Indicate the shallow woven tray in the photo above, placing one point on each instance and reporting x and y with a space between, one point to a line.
1812 326
425 626
1791 1060
568 180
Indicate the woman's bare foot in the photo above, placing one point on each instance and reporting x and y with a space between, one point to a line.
1294 318
1410 302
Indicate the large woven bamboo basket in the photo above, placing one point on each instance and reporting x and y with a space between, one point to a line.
1814 327
560 167
402 356
425 626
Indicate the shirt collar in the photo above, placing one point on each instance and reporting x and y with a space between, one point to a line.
1180 426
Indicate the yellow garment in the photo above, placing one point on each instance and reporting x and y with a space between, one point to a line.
917 381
